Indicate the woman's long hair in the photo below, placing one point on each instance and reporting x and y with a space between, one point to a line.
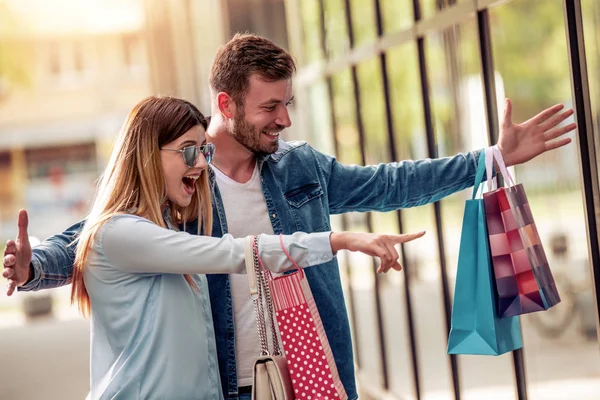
133 181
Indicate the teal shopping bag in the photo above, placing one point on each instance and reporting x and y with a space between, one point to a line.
475 326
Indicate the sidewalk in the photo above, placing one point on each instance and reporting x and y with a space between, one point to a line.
559 369
46 359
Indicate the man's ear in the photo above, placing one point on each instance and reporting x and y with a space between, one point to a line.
226 105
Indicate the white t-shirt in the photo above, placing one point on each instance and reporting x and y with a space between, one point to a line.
247 214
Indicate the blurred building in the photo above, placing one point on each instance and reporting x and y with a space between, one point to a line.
83 68
83 65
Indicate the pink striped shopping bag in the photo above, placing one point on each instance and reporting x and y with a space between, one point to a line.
308 354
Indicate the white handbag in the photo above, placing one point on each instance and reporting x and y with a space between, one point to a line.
270 376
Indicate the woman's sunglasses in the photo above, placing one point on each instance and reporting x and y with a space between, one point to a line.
191 153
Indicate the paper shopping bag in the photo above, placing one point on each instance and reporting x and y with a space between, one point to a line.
310 361
524 281
475 325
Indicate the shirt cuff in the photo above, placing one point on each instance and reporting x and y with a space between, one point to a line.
319 244
306 249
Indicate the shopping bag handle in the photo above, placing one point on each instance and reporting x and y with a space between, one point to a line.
503 170
480 171
492 182
288 255
268 273
492 153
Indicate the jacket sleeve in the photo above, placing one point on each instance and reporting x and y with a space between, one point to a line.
52 260
135 245
387 187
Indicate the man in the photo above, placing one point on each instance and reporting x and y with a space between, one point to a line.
266 185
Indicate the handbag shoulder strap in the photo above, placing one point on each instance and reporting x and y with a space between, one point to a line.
265 290
260 294
249 256
256 293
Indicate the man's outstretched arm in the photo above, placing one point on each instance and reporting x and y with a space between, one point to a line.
387 187
47 266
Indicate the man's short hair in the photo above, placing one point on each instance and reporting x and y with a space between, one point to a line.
243 56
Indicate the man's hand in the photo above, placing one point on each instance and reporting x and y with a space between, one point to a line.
520 143
373 244
17 256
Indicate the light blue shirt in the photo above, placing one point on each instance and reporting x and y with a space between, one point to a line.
152 334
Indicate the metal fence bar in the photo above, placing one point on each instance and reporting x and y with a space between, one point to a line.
432 153
587 139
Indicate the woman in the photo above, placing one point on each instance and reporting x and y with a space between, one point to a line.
142 281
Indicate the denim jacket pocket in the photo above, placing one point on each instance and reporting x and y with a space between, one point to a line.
302 195
306 206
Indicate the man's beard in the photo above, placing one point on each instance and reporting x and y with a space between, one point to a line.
250 137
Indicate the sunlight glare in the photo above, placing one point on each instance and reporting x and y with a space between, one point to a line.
72 16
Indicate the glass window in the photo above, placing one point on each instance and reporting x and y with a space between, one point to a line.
407 102
321 137
422 255
373 111
362 278
363 21
348 152
346 133
336 30
458 111
377 150
591 25
397 14
532 60
59 184
430 7
263 17
50 162
311 30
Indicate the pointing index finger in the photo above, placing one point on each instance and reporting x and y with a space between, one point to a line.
407 237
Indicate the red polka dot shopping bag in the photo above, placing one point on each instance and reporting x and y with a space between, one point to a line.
310 361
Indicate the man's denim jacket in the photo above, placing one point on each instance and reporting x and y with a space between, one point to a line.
302 188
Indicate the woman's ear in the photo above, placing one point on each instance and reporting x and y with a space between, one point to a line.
226 105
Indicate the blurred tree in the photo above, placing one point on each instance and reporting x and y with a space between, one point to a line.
530 50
